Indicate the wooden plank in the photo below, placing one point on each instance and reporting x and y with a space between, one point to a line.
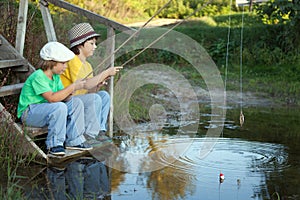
48 24
92 16
8 52
33 131
6 118
69 156
100 152
11 89
52 159
12 63
110 50
21 26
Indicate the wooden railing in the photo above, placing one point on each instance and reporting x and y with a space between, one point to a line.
51 35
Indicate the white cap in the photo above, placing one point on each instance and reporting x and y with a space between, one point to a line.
57 52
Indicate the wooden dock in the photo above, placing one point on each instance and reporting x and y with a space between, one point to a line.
12 60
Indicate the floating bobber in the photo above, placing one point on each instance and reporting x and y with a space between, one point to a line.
222 176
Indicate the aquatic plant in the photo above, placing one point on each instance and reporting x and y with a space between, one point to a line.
276 195
11 190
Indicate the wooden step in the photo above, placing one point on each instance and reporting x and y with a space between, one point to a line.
10 57
68 157
13 63
11 89
34 131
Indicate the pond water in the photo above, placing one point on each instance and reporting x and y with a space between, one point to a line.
259 160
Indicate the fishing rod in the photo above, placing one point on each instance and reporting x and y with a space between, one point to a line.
156 40
128 39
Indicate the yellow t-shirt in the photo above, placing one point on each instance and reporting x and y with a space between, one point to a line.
76 70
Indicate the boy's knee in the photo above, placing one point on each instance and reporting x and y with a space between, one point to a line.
77 103
104 95
59 110
62 107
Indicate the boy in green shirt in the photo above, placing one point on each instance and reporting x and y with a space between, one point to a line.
45 102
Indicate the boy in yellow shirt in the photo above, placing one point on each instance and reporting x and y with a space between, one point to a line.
96 108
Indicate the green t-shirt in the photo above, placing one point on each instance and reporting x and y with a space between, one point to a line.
37 84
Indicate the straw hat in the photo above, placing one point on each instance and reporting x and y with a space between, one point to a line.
80 33
57 52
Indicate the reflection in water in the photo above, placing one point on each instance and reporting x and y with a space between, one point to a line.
81 179
246 165
172 182
186 175
258 162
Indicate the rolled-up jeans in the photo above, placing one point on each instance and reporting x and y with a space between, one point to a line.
65 121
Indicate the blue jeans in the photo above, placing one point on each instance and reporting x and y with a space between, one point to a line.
65 121
96 109
105 106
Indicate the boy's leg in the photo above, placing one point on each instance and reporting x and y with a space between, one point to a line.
53 115
105 106
75 122
92 108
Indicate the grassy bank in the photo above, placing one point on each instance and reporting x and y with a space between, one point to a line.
267 65
269 68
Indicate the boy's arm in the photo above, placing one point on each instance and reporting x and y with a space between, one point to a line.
94 81
63 94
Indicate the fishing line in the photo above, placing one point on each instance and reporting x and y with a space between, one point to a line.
242 118
131 36
221 175
227 58
169 30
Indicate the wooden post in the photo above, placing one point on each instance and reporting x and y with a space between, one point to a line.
48 24
21 26
110 49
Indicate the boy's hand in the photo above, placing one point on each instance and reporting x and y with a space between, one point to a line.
79 84
113 70
103 83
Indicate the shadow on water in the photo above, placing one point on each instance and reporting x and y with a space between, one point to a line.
259 161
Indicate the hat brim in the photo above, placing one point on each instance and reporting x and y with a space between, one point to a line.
77 42
67 57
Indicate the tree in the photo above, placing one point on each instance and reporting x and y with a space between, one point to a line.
285 14
280 11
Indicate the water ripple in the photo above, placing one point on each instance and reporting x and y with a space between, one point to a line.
230 154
